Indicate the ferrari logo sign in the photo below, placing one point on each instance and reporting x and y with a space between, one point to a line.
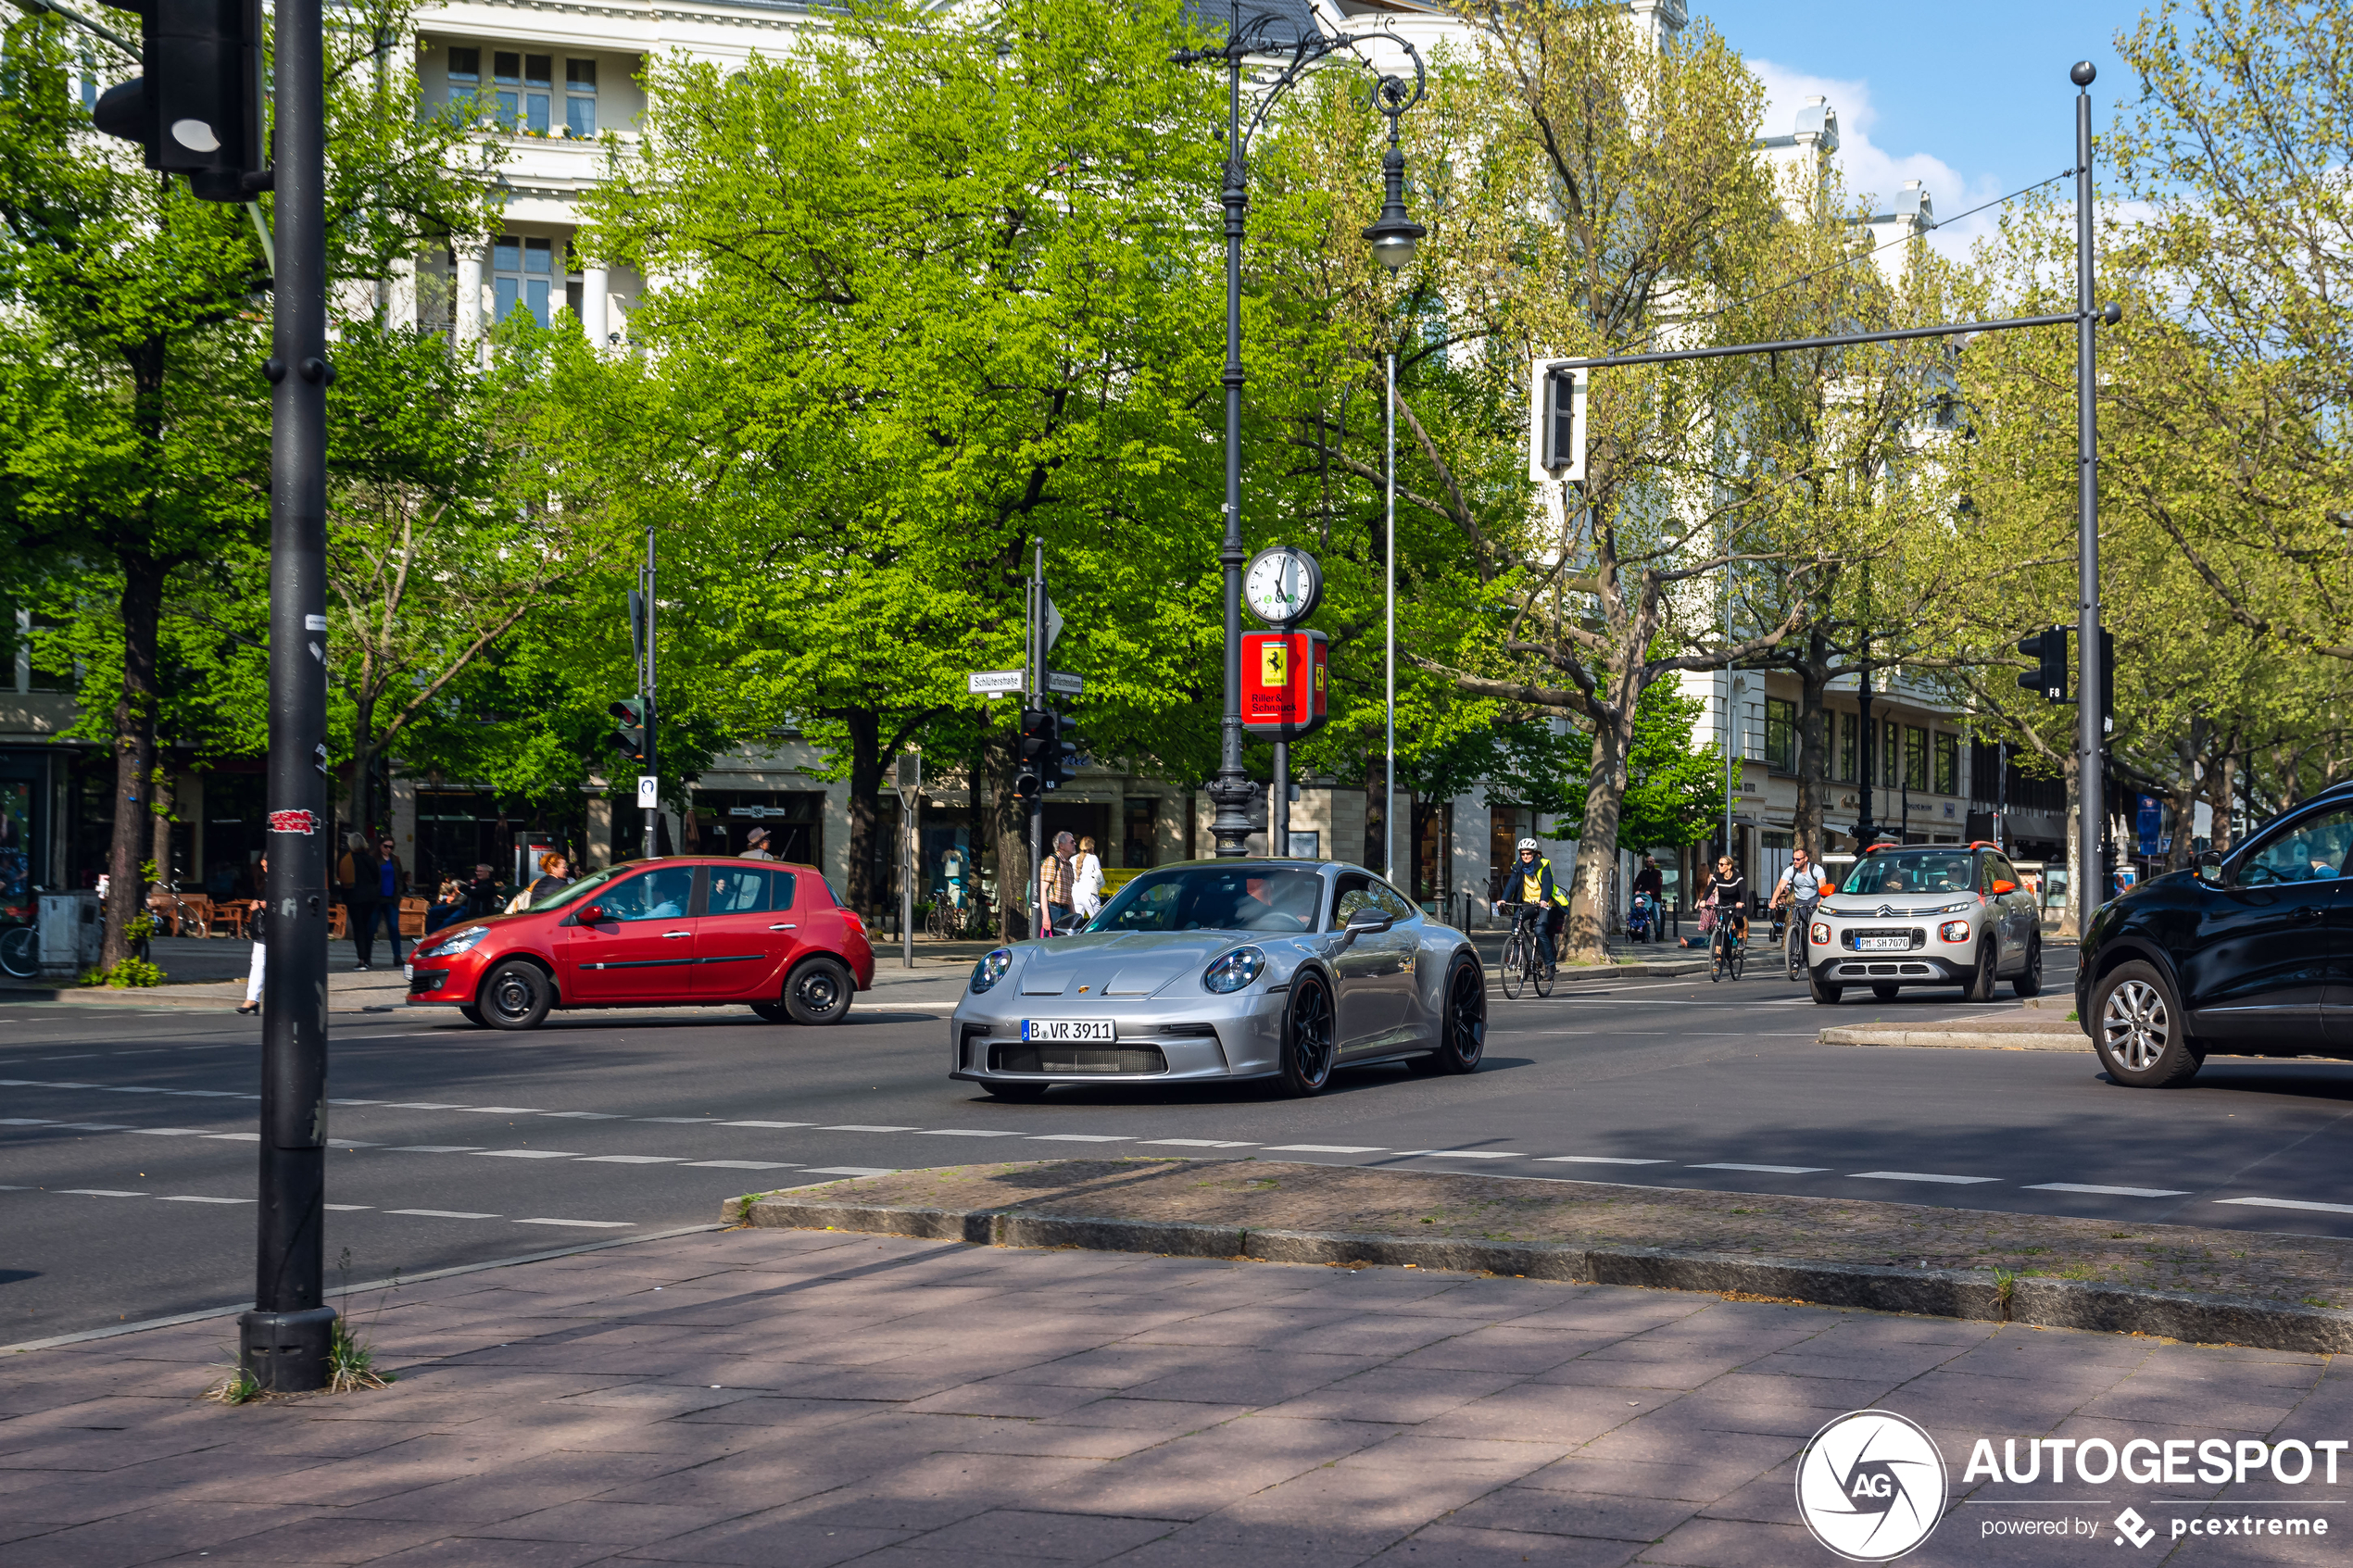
1283 682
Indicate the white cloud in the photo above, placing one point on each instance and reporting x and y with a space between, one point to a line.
1869 168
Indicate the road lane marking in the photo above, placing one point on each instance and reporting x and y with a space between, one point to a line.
1460 1154
438 1148
679 1121
236 1137
419 1105
587 1116
441 1213
2290 1203
584 1224
1768 1170
1197 1143
965 1133
1312 1148
1080 1137
631 1159
348 1207
854 1127
2106 1192
97 1126
527 1153
502 1109
774 1125
850 1170
1917 1176
210 1200
170 1131
99 1192
738 1165
1595 1160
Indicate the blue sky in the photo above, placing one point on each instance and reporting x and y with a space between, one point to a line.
1972 100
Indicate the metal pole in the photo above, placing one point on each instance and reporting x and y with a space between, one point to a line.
1231 789
2002 796
1278 804
1389 633
2090 797
1865 829
653 764
283 1342
907 878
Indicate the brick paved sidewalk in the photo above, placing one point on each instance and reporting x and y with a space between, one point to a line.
808 1399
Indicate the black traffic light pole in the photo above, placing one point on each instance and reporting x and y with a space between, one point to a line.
1037 696
652 764
283 1342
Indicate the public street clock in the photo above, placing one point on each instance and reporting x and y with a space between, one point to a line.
1282 587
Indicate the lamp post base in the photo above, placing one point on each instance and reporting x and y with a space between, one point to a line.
287 1352
1231 829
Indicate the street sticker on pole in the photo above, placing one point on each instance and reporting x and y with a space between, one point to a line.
648 791
993 682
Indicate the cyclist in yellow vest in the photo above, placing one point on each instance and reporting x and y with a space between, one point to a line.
1531 882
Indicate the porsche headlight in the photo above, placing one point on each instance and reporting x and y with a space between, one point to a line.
1231 971
451 946
991 969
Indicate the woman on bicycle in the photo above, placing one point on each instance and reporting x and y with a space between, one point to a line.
1728 896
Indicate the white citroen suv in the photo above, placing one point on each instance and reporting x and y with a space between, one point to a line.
1937 914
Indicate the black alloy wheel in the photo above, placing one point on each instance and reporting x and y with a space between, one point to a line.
1309 1043
818 992
2030 979
516 995
1981 981
1462 1030
1824 992
2136 1027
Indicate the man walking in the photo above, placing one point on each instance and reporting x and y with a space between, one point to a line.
756 846
1054 885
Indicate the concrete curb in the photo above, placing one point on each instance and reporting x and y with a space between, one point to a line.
1972 1294
1956 1039
160 996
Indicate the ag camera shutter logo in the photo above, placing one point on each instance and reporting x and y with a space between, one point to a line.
1871 1485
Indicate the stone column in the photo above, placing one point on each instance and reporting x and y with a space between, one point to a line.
467 316
595 286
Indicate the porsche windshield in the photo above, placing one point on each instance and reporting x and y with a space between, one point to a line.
1216 899
1950 872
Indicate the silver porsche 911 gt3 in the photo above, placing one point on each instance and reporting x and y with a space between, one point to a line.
1226 969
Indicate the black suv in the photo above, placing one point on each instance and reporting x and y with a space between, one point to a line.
2251 954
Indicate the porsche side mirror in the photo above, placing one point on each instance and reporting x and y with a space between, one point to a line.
2001 887
1371 920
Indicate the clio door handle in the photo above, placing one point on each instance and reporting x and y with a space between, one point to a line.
668 935
784 928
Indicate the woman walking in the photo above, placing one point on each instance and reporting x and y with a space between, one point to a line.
1085 880
258 925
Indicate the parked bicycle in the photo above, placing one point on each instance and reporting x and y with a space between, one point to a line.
1524 958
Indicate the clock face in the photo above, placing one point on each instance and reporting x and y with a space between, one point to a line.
1282 586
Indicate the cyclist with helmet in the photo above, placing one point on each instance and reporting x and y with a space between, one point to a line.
1801 887
1531 884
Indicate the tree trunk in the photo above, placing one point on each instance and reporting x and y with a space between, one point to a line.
1813 752
2189 748
165 805
1010 822
134 748
363 769
2220 779
1597 838
2071 916
865 817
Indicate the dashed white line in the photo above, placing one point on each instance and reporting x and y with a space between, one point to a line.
587 1116
2290 1203
210 1200
1918 1176
500 1110
584 1225
1196 1142
2106 1192
438 1148
850 1170
99 1192
1459 1154
631 1159
1595 1160
1769 1170
738 1165
348 1207
854 1127
1080 1137
965 1133
678 1121
527 1153
441 1213
1312 1148
773 1125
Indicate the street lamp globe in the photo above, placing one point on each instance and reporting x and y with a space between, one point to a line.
1393 234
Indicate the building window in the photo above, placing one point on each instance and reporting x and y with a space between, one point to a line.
580 98
525 87
1948 764
1891 737
521 271
1848 732
1915 758
465 82
1780 736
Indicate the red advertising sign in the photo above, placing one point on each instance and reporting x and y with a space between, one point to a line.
294 821
1283 675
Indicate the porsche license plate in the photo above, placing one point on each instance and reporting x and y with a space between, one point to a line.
1882 944
1088 1030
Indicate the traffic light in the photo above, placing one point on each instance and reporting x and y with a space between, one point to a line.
196 106
2047 680
1062 764
632 736
1040 745
1556 421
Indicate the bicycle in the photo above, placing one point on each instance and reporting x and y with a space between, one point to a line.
1800 917
1726 951
1523 955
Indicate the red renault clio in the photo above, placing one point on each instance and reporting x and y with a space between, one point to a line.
677 932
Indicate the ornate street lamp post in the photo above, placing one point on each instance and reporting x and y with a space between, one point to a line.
1392 236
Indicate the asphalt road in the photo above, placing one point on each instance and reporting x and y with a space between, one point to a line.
126 1149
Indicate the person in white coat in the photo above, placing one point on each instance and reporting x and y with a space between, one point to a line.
257 927
1086 881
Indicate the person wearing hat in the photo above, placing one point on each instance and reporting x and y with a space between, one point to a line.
756 846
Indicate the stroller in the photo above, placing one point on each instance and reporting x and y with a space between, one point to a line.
1642 918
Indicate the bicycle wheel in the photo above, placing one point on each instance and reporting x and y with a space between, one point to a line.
1543 971
1740 959
20 952
1715 958
1514 966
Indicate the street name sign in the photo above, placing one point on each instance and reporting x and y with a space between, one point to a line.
993 682
1062 684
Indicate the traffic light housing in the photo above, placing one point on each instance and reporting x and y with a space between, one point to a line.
2047 680
1038 752
633 735
196 106
1062 764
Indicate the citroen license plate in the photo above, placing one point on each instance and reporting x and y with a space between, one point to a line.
1093 1031
1882 944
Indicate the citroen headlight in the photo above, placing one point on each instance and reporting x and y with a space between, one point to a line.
991 969
451 946
1231 971
1961 908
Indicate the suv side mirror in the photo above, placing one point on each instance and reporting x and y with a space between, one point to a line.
2002 886
2210 867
